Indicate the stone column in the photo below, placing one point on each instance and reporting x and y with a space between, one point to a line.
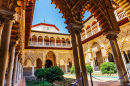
15 71
58 64
81 55
19 71
32 70
66 70
22 71
75 54
10 65
118 59
1 28
4 48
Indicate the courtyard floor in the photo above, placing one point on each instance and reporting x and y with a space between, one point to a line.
100 81
104 80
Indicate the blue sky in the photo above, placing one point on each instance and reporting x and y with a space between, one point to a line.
44 10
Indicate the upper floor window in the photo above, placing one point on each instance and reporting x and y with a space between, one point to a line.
47 28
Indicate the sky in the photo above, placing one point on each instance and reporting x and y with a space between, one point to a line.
45 11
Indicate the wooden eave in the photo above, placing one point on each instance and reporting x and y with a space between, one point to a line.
28 21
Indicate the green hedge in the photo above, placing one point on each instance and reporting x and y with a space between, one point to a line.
108 68
88 68
72 69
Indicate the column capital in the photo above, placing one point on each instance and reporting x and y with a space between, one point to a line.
111 36
74 28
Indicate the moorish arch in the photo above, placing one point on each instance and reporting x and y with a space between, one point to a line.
126 51
69 64
46 40
50 59
27 69
97 55
52 41
68 41
38 63
40 39
88 26
62 64
110 56
58 41
93 23
34 38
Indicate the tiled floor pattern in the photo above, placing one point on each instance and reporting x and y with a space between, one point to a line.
22 82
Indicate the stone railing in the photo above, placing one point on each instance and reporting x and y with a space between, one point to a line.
95 30
49 44
121 16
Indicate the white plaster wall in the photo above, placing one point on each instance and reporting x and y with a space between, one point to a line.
45 28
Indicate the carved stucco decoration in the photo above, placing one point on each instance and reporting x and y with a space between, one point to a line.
65 56
33 56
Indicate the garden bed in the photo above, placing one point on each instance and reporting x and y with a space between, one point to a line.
36 83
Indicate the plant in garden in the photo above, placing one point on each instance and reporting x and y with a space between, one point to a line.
108 68
40 73
54 73
89 68
72 69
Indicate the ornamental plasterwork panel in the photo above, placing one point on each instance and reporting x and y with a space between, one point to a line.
85 47
33 56
65 56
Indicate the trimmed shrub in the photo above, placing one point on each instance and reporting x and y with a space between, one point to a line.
54 73
38 73
108 68
72 69
89 68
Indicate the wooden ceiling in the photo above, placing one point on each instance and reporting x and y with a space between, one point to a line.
28 21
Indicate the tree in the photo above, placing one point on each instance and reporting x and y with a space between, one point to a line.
72 69
89 69
108 68
40 73
54 73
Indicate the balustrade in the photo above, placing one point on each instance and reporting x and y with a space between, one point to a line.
49 44
121 16
90 33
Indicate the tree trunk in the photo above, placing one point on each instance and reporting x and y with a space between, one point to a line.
52 83
43 81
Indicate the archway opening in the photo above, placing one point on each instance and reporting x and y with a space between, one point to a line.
27 69
46 41
69 64
38 63
52 41
96 51
48 64
51 56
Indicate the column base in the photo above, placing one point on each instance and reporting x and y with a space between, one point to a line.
8 84
125 84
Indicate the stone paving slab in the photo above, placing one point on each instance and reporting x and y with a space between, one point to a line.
105 81
22 82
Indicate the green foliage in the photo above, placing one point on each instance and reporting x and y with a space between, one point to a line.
89 68
35 83
38 73
72 69
108 68
51 74
54 73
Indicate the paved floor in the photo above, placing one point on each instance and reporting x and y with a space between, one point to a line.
105 81
99 81
22 82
